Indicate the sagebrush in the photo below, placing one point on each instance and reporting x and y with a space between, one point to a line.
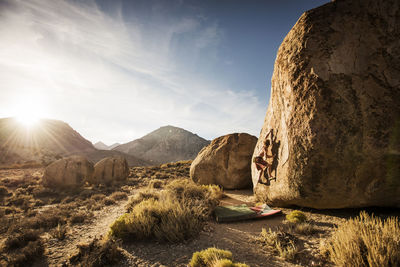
366 241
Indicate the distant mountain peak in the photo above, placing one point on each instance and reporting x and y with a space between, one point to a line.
166 144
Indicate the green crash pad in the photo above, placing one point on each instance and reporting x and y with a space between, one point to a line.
242 212
233 213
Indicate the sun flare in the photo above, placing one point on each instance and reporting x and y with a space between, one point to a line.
29 110
28 120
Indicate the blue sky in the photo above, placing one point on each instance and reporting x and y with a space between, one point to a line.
116 70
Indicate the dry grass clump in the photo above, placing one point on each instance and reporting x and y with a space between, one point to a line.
156 183
173 214
304 228
296 216
78 217
98 197
3 191
117 196
97 253
166 219
213 257
22 248
279 242
142 195
366 241
60 232
108 201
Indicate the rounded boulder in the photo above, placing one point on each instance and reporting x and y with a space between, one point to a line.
109 170
68 172
226 161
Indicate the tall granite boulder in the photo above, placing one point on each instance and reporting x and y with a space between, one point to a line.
68 172
225 162
109 170
334 109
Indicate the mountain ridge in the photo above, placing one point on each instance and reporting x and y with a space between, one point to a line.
165 144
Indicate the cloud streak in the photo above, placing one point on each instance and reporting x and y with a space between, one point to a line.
114 79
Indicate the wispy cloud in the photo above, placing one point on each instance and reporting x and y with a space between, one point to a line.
113 79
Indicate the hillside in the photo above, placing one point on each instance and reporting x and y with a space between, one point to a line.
44 142
166 144
48 141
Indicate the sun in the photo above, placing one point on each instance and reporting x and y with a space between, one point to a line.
28 111
28 120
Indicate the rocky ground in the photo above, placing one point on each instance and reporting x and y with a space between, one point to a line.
26 200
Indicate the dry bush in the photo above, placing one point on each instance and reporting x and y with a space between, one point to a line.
166 219
279 242
206 257
118 196
3 191
98 197
304 228
23 248
141 196
156 183
108 201
60 232
213 257
296 216
366 241
97 253
173 214
79 217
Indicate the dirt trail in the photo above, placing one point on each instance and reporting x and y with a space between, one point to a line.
237 237
58 252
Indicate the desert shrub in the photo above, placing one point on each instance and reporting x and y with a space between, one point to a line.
213 257
60 232
21 239
47 219
118 196
279 242
98 197
168 220
108 201
26 255
304 228
141 196
3 191
227 263
78 217
366 241
206 257
173 214
296 216
155 184
97 253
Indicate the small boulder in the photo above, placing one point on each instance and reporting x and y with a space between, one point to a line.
110 169
68 172
226 162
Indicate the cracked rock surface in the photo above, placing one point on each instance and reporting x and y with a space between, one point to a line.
334 109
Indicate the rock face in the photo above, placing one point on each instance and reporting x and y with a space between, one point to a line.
110 169
68 172
334 109
166 144
225 162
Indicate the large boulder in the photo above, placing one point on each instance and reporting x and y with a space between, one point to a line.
334 109
225 162
68 172
109 170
